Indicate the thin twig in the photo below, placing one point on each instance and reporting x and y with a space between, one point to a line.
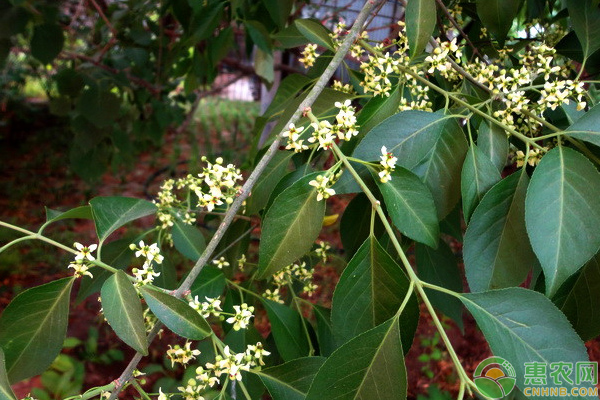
260 167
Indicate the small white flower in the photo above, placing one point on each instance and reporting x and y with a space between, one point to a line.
85 252
221 262
322 184
242 316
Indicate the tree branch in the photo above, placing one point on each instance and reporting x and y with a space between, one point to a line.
260 167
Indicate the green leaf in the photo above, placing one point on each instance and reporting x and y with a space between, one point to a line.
496 249
209 283
497 16
6 392
123 311
587 127
290 227
290 37
324 330
439 267
376 369
176 314
287 330
523 326
259 34
493 142
420 23
581 303
411 206
83 212
100 107
279 10
288 89
188 240
585 18
478 175
369 292
265 184
315 32
111 213
33 328
562 214
355 224
431 145
291 380
47 42
376 110
264 66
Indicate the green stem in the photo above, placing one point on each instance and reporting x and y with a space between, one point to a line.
311 349
90 394
244 390
18 240
411 273
139 389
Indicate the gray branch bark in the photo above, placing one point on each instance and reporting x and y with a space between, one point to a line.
258 170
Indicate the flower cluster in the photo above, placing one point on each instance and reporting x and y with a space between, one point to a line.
182 355
228 363
286 276
207 308
81 263
309 55
322 250
341 87
388 162
216 185
534 158
150 253
241 319
323 184
242 262
324 133
293 139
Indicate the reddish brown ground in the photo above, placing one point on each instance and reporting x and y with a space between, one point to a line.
40 180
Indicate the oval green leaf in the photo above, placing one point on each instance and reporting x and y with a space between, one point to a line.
369 292
111 213
287 330
496 249
523 326
188 240
291 380
315 32
478 175
562 214
377 370
33 328
411 206
290 227
123 311
176 314
420 23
